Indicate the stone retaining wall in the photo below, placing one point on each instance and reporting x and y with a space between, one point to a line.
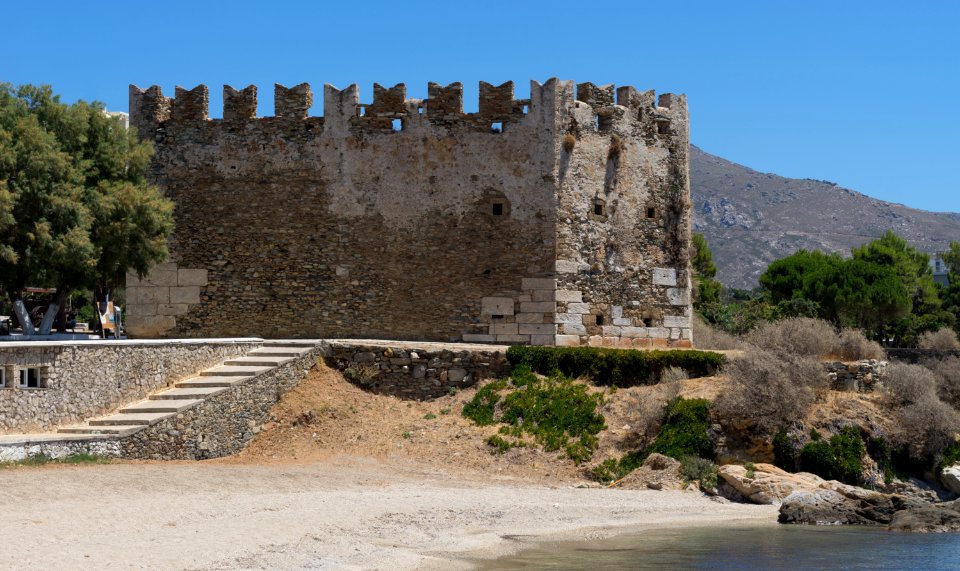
415 370
859 376
222 424
79 380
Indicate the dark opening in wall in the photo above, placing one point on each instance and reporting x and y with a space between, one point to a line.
604 123
598 209
651 212
497 208
648 322
496 127
3 378
496 317
30 378
397 124
663 127
599 320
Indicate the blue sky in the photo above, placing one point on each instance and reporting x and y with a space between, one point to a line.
866 94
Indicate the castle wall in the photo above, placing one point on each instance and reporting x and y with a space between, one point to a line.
562 219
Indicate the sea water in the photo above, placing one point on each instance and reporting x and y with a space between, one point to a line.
748 548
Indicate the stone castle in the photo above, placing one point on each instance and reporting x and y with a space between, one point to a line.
563 219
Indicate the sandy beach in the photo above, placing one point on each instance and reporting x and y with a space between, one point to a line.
345 513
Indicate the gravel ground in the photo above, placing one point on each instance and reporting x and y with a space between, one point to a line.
342 513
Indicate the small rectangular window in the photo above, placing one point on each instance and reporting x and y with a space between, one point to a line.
599 320
651 212
663 127
648 322
496 127
3 378
598 209
498 209
30 378
397 124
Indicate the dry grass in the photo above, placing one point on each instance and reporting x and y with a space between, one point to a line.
569 142
948 385
942 340
853 345
798 336
926 424
706 336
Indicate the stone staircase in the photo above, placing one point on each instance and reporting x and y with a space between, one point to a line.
190 392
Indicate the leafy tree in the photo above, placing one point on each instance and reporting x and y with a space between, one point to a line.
75 208
792 277
704 271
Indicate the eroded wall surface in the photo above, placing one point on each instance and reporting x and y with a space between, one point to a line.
410 219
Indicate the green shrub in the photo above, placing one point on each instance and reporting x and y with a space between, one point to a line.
501 444
616 367
784 452
612 469
696 469
557 412
879 450
750 468
840 458
684 430
951 455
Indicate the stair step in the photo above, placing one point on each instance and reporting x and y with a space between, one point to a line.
87 429
281 352
161 405
129 419
187 393
256 361
311 343
211 381
234 371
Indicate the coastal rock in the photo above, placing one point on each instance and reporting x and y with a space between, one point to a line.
768 484
950 478
835 503
933 518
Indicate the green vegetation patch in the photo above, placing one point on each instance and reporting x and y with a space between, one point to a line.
43 460
556 412
616 367
684 430
840 458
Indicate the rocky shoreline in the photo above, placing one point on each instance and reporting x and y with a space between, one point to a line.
805 498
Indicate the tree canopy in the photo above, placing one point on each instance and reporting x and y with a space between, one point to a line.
76 210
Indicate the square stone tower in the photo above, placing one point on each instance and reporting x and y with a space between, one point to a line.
560 219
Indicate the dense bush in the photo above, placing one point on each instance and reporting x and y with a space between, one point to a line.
613 469
927 425
942 340
948 379
616 367
853 345
840 458
799 336
909 384
697 469
684 430
951 456
769 391
557 412
705 336
785 452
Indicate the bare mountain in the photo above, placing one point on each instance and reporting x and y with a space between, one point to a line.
751 218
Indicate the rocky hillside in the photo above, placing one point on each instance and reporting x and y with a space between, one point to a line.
751 218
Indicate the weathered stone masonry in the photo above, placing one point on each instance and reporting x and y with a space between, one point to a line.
562 219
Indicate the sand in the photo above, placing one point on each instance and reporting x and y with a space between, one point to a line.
341 513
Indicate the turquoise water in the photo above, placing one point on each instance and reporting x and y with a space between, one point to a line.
748 548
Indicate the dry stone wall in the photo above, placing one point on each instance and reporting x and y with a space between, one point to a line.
558 219
78 380
415 371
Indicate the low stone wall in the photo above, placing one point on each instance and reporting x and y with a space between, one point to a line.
57 446
223 423
859 376
81 379
414 370
915 356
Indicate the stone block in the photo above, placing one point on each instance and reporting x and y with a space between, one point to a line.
676 321
578 308
164 275
538 329
573 329
686 334
513 338
172 309
543 295
186 294
567 340
150 326
683 343
634 332
674 333
678 296
622 321
529 318
659 343
188 277
496 306
538 283
611 331
538 307
595 341
570 266
569 295
664 276
141 310
641 343
616 311
658 332
143 295
574 318
542 339
456 375
479 338
503 329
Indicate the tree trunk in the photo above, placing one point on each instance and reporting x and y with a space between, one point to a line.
23 316
52 310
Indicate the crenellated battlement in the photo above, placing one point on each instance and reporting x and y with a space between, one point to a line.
391 110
